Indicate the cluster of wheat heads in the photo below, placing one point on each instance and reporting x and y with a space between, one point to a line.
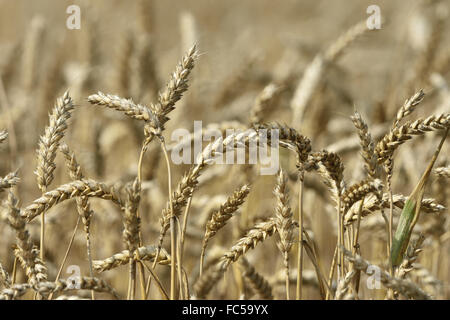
197 245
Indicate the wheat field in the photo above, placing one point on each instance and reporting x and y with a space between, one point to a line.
94 206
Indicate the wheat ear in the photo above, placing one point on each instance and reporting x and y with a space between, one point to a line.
367 145
399 135
25 251
404 287
176 86
85 187
83 206
220 217
284 223
257 282
146 253
48 145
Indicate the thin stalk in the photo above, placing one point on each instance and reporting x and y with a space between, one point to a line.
358 224
14 273
42 246
66 254
179 259
287 277
300 241
89 255
158 282
332 269
183 230
173 235
391 212
341 240
173 249
355 246
141 268
202 258
132 280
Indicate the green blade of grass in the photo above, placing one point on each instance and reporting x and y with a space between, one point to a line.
410 212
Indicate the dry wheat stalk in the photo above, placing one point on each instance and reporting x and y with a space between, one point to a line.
220 217
257 282
34 268
49 142
404 287
399 135
85 187
146 253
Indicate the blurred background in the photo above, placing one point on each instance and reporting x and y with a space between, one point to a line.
130 48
